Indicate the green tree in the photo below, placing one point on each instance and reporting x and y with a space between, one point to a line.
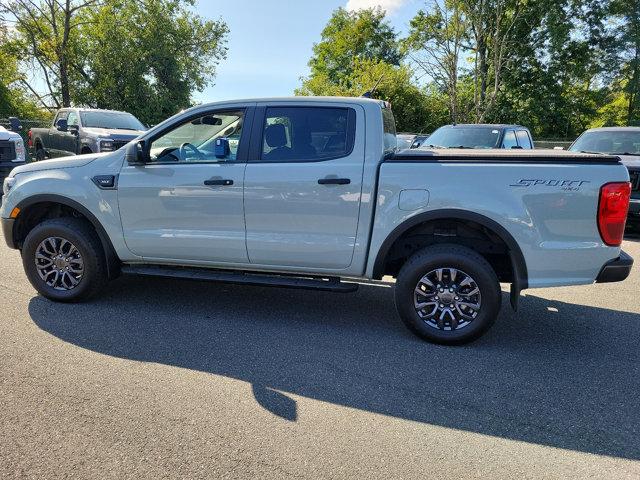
349 38
628 13
148 56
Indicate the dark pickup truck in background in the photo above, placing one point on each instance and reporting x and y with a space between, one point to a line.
78 131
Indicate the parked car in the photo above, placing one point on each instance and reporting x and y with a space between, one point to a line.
78 131
405 140
480 136
419 140
12 151
623 142
312 191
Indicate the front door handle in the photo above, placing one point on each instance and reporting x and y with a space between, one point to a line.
334 181
219 181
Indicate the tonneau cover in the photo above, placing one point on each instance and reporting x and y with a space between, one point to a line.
500 155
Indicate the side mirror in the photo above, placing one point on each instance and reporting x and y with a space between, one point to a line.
222 149
61 125
73 129
137 153
14 124
516 147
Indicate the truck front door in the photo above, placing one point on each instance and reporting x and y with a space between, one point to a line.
303 186
186 204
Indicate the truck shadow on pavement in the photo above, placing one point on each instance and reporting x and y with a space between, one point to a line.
557 374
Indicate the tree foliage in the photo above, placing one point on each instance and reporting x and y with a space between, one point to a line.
144 56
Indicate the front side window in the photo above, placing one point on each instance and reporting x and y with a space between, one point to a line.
509 139
72 119
213 137
524 140
295 134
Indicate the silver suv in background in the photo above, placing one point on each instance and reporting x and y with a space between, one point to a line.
78 131
623 142
12 152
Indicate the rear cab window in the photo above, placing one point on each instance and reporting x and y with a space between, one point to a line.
524 140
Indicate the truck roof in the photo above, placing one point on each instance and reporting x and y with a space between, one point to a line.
303 99
486 125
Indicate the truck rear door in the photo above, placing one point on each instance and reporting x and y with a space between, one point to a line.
303 185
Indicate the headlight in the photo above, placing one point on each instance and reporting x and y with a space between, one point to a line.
20 153
106 145
8 184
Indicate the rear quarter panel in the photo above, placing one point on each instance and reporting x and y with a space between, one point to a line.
554 225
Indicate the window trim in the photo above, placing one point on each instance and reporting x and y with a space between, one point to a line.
243 146
257 140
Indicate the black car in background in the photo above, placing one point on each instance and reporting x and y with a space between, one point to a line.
623 142
480 136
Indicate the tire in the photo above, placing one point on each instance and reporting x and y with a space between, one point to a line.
41 154
88 258
449 326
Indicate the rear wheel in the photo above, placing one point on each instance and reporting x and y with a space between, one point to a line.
41 154
63 260
448 294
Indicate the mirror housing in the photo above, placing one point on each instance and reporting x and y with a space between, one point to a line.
73 129
137 153
14 124
222 148
61 125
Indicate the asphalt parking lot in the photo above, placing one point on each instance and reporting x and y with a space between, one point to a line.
168 379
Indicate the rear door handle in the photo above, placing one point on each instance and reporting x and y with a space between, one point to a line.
334 181
219 181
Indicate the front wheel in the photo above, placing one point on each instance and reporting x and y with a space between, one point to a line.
448 294
64 260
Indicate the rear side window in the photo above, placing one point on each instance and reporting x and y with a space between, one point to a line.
307 134
524 140
509 139
389 126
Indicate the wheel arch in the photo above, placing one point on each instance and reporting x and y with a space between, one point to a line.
111 257
518 263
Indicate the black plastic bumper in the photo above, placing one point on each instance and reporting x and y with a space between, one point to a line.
7 231
616 270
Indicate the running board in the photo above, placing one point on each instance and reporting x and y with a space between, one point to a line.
329 284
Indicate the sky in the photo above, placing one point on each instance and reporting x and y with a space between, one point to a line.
271 41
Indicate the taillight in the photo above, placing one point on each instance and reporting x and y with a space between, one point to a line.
612 211
29 141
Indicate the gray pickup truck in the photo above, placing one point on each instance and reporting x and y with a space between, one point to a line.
78 131
312 193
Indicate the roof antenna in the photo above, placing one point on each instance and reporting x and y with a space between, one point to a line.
369 93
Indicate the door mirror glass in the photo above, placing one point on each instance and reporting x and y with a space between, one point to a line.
61 124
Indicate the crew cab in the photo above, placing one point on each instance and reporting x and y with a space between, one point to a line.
12 151
78 131
312 193
481 135
623 142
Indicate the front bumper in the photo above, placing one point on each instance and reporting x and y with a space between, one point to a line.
7 231
616 270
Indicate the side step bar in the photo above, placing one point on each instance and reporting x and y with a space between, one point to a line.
330 284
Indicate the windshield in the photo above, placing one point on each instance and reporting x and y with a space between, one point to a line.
603 141
463 137
111 120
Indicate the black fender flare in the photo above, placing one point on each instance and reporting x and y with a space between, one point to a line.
520 275
111 257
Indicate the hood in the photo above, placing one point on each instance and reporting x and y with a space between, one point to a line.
114 133
631 161
57 163
8 135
